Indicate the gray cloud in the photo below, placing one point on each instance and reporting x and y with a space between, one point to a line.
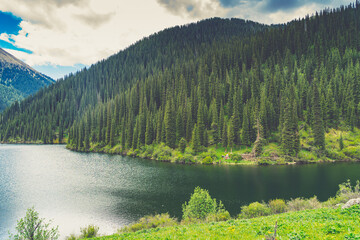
93 19
196 9
277 5
43 12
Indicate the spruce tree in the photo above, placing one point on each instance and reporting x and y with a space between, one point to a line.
200 122
182 145
225 135
246 131
170 125
196 139
112 133
341 142
149 131
318 126
231 133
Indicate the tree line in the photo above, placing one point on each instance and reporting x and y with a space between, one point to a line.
235 88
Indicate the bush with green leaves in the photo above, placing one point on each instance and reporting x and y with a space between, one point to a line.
185 158
207 160
31 227
72 237
236 157
200 206
254 209
151 221
89 232
277 206
220 215
299 204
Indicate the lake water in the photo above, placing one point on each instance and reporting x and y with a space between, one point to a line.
77 189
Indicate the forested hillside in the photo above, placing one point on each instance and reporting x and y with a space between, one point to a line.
18 80
217 82
40 117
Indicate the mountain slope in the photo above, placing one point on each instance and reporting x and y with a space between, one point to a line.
218 82
18 80
63 102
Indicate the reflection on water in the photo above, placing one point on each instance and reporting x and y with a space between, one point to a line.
76 189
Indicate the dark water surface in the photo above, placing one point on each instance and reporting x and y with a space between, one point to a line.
76 189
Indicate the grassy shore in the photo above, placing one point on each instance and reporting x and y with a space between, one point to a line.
324 223
242 155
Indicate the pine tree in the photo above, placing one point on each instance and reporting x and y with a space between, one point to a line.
221 121
100 129
318 126
206 139
289 134
246 131
341 142
179 126
112 133
225 135
182 145
236 121
135 136
200 122
196 139
231 133
61 133
189 123
170 125
108 124
149 131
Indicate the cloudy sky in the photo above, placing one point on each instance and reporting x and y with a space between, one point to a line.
57 37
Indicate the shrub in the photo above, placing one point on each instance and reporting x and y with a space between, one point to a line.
89 232
162 153
264 162
299 204
352 152
218 217
347 192
254 209
32 225
186 158
207 160
201 205
71 237
147 222
277 206
236 157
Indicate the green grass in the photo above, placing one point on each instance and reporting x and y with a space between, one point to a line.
271 154
324 223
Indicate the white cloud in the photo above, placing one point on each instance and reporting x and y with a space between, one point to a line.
70 32
5 37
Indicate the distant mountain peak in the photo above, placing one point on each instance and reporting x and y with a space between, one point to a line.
18 80
6 57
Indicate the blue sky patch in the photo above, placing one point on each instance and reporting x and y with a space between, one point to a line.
229 3
57 71
10 24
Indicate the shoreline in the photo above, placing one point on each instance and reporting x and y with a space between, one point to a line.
257 161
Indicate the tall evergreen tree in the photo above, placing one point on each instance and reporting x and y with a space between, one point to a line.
170 125
318 126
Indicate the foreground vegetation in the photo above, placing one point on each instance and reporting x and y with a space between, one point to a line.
205 218
308 224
